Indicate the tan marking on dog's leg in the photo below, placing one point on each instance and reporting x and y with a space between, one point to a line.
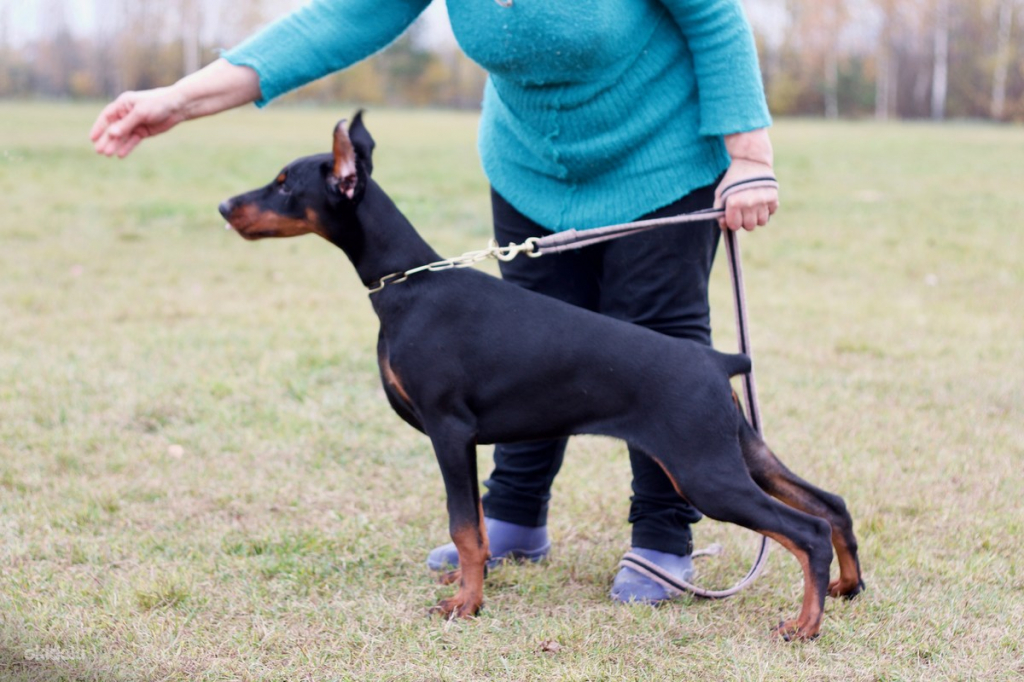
849 582
472 544
782 484
486 540
808 623
455 575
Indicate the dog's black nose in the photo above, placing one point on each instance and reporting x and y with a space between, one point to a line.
225 208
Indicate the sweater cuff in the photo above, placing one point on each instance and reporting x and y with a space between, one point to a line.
235 59
735 115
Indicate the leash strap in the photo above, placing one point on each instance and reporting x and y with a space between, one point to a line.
673 585
534 247
760 182
564 241
732 253
577 239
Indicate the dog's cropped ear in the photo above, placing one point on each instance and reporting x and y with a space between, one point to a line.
360 137
343 174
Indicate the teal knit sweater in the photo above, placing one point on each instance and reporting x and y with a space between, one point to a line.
595 112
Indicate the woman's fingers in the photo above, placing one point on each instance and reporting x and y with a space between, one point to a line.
750 218
107 125
129 128
131 118
112 112
130 144
749 209
733 218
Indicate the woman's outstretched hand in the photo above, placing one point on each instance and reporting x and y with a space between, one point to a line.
134 116
752 157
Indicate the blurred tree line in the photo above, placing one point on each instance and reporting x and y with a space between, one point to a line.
895 58
851 58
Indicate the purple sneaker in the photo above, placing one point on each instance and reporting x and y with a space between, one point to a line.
509 542
631 586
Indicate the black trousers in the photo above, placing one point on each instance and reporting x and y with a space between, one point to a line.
657 279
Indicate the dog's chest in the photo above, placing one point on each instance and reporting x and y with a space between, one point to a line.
395 389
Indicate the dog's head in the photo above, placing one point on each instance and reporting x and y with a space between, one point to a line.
310 194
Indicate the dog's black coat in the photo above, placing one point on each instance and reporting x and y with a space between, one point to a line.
467 358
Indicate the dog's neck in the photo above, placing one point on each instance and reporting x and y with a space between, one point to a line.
382 241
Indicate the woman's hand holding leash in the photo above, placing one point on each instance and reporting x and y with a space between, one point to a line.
752 158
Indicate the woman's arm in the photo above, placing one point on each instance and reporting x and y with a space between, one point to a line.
134 116
319 38
729 84
732 102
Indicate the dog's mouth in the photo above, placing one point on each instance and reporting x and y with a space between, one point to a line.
242 219
246 231
250 222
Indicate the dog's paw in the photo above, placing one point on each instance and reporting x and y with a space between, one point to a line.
450 577
795 631
838 588
457 607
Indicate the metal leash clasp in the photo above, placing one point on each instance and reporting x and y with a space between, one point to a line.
493 250
507 253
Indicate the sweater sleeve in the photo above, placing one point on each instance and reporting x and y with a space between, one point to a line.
725 60
320 38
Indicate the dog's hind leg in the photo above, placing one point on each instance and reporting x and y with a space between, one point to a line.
456 454
779 482
716 482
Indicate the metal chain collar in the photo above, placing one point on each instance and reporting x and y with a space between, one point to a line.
502 253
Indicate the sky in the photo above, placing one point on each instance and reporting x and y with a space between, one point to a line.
22 20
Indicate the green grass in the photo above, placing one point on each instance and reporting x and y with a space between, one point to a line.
200 478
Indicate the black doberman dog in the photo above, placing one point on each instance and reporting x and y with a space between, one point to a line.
467 358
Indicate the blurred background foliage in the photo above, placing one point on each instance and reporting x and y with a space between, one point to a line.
831 58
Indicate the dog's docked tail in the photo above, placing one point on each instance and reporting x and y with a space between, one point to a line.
732 363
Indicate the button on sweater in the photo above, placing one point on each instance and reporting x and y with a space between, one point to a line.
593 113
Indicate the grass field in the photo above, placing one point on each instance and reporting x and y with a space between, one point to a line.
200 478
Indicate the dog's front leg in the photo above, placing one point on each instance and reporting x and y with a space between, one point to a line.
456 455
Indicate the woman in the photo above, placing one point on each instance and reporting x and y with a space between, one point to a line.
593 114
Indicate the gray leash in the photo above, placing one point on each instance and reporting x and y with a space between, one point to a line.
577 239
641 565
574 239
